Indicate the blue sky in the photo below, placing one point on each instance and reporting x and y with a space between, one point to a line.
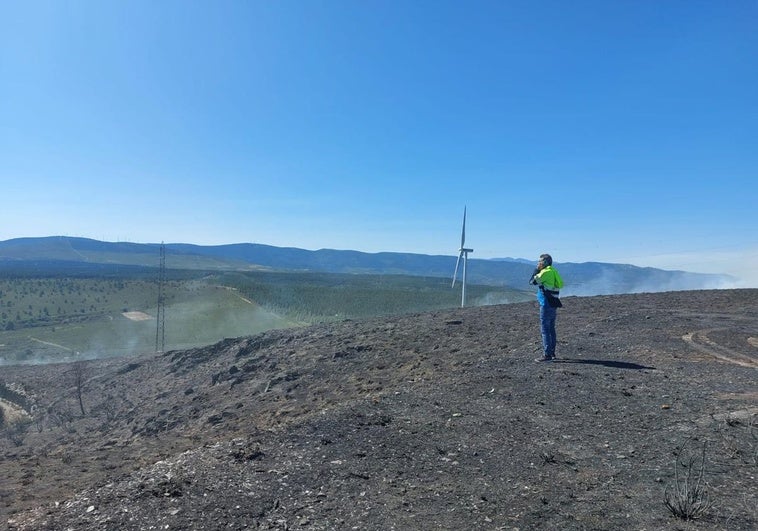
613 131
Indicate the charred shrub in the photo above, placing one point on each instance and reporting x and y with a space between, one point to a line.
688 499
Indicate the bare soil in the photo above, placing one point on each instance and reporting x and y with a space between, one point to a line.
137 316
432 421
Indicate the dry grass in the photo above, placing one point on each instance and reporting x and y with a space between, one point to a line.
689 498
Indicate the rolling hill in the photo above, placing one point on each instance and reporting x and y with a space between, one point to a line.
591 278
437 420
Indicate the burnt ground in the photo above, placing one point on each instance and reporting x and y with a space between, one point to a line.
431 421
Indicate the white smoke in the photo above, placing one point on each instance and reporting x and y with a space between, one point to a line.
739 263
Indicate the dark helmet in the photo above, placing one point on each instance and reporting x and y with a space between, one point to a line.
546 259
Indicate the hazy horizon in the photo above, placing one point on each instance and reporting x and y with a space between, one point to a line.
736 282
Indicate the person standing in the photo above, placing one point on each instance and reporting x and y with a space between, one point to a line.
548 280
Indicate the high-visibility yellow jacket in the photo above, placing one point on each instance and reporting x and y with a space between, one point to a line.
549 278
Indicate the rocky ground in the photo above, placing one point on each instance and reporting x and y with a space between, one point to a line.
432 421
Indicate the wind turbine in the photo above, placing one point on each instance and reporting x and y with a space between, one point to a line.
463 252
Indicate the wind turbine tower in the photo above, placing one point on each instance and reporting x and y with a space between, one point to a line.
462 252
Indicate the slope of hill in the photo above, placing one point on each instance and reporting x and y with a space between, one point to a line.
438 420
582 279
66 250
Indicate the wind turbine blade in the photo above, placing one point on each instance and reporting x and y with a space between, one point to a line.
455 275
463 230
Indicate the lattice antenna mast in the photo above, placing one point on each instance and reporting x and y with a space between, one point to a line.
462 253
160 318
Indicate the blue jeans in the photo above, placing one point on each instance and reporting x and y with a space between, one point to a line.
547 325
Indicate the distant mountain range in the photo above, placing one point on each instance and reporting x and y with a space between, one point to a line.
588 278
